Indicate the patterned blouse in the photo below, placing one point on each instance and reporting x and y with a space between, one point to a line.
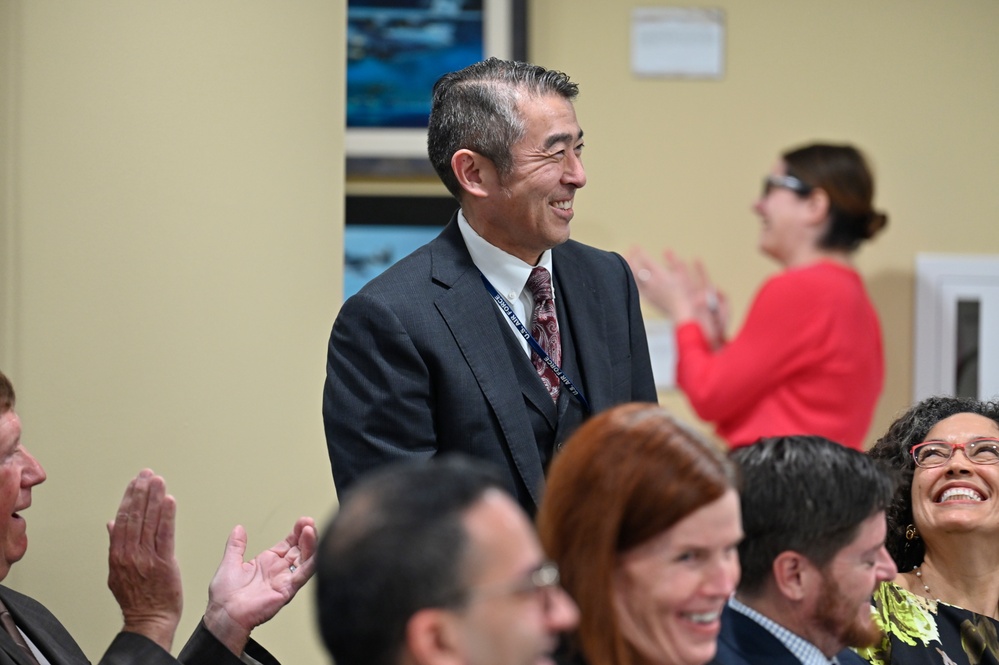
919 631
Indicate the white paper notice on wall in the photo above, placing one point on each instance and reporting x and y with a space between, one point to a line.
662 351
678 42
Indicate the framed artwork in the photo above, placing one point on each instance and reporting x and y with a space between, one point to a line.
396 51
380 230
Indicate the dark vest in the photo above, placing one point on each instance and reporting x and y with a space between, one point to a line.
551 423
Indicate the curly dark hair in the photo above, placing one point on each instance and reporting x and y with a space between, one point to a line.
892 450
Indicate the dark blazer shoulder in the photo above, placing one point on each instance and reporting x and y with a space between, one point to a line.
49 635
590 274
575 250
445 260
44 629
742 641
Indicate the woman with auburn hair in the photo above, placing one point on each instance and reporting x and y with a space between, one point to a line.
642 517
808 359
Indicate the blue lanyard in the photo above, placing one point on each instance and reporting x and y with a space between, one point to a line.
533 343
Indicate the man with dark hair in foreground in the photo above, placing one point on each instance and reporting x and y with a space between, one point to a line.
814 520
428 564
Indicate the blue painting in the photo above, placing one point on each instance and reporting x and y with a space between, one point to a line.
396 51
369 249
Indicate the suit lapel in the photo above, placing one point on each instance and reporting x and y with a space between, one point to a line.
44 630
531 387
585 313
11 652
470 315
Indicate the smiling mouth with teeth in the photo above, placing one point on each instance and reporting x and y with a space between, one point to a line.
563 205
704 617
960 493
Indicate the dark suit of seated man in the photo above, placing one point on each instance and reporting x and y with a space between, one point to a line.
143 575
424 360
813 515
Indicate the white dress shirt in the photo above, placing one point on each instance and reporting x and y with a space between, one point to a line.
506 273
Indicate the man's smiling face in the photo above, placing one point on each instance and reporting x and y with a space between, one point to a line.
19 472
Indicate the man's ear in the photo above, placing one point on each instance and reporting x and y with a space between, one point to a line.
476 174
794 575
433 637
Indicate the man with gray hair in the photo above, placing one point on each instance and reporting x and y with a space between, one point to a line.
501 335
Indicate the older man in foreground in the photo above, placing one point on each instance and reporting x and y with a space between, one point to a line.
143 576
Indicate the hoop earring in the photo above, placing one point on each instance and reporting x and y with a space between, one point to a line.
911 533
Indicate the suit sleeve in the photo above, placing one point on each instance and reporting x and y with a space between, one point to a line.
377 401
49 635
204 649
135 649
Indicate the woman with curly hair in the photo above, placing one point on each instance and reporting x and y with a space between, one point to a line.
943 532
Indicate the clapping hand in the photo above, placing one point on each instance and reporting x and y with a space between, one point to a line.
683 292
143 573
245 594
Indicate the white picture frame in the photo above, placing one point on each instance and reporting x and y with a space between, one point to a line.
502 37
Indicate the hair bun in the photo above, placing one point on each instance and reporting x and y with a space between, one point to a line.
876 223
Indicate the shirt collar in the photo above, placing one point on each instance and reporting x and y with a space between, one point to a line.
802 649
507 273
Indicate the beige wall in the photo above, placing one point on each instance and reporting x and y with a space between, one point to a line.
171 227
171 262
677 163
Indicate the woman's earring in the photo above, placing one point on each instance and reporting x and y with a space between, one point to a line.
911 533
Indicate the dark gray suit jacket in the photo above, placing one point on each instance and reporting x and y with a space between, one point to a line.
744 642
422 362
127 648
